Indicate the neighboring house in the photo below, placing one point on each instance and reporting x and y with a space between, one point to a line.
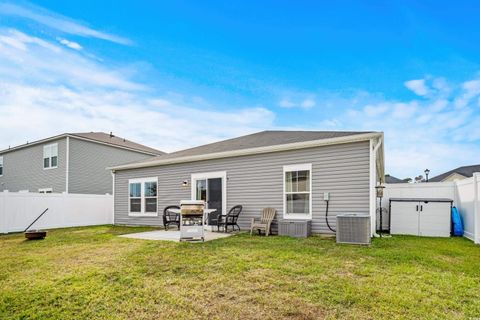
70 162
287 170
459 173
392 179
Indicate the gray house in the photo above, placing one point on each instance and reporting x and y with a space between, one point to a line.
70 162
459 173
287 170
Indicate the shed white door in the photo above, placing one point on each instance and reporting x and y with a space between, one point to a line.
429 219
404 217
434 219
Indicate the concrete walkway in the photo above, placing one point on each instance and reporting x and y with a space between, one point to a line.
172 235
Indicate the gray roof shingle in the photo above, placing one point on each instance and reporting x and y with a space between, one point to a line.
466 171
117 141
392 179
255 140
101 137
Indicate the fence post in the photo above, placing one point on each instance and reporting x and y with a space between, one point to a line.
476 208
3 215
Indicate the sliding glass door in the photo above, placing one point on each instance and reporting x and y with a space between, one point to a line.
210 187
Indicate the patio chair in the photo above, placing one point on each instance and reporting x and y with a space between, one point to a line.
264 223
171 217
230 219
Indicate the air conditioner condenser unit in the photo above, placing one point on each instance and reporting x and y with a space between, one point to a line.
353 228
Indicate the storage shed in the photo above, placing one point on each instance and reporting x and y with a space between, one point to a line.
430 217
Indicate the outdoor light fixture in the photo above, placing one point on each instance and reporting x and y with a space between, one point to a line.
185 183
379 188
426 174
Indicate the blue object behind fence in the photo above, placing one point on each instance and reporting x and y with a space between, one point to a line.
457 222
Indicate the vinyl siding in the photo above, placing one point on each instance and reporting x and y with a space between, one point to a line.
88 163
23 169
256 181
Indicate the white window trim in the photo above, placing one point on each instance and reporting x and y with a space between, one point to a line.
45 190
50 161
297 167
1 165
142 212
210 175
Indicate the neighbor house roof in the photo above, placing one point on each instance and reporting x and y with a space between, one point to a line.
98 137
117 141
260 142
466 171
392 179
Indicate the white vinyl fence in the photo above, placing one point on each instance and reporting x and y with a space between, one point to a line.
467 200
19 209
464 193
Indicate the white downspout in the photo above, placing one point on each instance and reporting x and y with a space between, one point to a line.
476 208
67 165
113 197
373 181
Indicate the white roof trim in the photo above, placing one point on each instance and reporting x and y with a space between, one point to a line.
250 151
61 136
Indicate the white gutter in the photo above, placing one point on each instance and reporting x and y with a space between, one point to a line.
373 180
476 208
113 197
250 151
67 164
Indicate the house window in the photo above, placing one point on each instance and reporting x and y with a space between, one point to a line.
142 197
297 191
50 156
1 166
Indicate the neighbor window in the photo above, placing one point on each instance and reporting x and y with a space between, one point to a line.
50 156
143 196
1 166
297 186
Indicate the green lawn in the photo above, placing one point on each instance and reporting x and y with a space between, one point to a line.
90 273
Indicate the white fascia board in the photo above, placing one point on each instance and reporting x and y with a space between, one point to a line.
251 151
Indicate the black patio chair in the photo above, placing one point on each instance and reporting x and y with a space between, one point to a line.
170 217
230 219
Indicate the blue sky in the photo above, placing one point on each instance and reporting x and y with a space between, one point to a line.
177 74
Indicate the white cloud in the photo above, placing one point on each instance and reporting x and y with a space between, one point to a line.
471 90
373 110
308 103
304 103
285 103
418 86
37 60
46 89
431 132
404 110
58 22
70 44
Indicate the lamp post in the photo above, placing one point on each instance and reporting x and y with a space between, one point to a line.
426 174
379 188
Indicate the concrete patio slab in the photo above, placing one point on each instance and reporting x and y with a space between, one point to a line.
172 235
